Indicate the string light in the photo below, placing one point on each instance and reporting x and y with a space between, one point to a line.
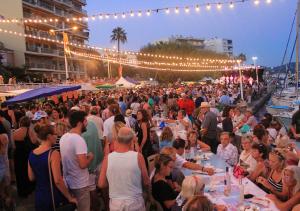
138 13
187 9
138 64
208 6
148 55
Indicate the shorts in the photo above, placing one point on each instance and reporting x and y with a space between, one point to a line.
136 204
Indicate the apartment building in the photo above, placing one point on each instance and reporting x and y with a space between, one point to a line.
43 56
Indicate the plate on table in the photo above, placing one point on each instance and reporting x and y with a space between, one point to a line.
260 201
217 171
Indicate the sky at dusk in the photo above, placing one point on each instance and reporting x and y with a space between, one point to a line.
260 31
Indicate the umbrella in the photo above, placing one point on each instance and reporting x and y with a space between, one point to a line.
41 92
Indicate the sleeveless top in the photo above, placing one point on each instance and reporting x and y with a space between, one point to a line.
124 175
43 197
277 186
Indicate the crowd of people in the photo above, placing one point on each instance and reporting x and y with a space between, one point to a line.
102 150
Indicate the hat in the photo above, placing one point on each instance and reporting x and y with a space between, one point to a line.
75 108
128 112
204 105
39 114
242 104
183 95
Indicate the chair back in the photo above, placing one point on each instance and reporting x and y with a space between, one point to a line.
151 163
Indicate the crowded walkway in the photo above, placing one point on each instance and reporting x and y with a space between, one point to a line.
154 148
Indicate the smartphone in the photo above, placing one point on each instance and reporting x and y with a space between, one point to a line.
248 196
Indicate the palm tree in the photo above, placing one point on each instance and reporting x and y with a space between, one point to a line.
119 35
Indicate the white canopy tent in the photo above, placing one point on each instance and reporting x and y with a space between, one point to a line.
88 87
122 82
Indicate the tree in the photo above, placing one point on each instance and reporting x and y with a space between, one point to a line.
118 35
181 49
242 57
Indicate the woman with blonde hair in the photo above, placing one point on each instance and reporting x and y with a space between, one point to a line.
166 138
291 182
192 191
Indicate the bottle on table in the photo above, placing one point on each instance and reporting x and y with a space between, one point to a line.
241 187
227 183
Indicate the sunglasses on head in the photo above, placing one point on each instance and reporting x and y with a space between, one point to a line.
276 152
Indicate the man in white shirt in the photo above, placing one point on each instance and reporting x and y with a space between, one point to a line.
180 162
76 160
125 179
94 117
227 151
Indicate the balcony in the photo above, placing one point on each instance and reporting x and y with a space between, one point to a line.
44 51
65 2
42 67
82 1
45 6
80 10
82 34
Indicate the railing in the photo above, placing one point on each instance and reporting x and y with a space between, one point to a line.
82 34
66 2
45 6
12 87
83 11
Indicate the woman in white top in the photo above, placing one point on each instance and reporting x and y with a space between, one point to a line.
246 160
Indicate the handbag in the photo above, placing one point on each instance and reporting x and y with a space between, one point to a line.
238 171
64 206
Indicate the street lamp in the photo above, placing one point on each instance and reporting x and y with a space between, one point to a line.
241 80
254 58
65 40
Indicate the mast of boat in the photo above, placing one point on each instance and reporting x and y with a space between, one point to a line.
297 48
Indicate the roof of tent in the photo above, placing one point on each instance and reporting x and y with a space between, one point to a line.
41 92
131 80
124 83
88 87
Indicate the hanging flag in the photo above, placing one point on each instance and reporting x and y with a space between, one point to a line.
66 43
120 70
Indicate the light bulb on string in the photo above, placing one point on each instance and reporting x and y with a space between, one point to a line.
268 1
123 15
231 5
167 11
132 14
115 16
208 6
197 8
139 13
219 6
176 10
148 13
256 2
187 9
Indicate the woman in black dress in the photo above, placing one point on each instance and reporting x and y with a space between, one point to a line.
142 128
23 141
161 189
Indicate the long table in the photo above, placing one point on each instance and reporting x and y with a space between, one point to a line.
218 197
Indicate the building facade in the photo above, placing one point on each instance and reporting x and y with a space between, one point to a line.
43 56
218 45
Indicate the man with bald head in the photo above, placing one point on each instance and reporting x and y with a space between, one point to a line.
124 171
